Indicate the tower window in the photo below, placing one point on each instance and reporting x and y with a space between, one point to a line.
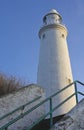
62 35
43 36
45 20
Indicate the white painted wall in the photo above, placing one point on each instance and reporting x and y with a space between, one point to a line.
54 69
16 99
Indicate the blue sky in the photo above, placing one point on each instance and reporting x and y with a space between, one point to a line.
20 21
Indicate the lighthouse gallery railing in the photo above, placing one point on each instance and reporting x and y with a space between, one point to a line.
5 126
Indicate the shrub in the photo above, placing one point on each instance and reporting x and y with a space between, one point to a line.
9 84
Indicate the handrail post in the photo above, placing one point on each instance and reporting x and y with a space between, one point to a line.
51 115
76 92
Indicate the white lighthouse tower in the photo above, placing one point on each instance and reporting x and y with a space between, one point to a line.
54 70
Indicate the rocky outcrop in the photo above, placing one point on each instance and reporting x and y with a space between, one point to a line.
18 98
74 120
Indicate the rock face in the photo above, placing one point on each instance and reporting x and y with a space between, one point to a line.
18 98
74 120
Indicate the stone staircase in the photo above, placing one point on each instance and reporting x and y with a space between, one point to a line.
74 120
31 115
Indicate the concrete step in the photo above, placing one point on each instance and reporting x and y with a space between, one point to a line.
74 120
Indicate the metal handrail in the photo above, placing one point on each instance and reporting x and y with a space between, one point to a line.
81 93
51 109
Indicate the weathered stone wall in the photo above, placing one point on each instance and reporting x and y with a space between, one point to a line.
74 120
12 101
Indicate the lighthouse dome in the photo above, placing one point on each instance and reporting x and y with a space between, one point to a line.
53 11
52 17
